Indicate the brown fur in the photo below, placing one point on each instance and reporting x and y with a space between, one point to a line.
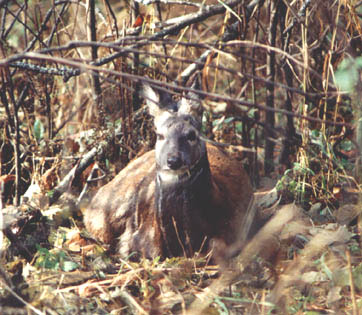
124 210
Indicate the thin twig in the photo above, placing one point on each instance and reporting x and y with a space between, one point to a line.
56 23
110 10
35 310
179 2
83 163
166 87
68 72
229 35
176 26
97 92
16 145
270 117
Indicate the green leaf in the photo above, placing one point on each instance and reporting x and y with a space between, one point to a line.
215 122
50 193
347 74
315 133
252 111
325 268
228 120
359 62
223 309
357 276
346 79
346 145
42 250
239 127
69 266
38 130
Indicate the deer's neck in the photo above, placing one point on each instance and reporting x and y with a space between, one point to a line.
182 207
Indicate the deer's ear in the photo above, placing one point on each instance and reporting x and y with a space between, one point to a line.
191 106
152 100
159 104
158 101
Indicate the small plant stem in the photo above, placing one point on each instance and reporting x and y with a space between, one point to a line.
288 76
17 151
48 110
111 12
254 164
4 99
351 284
135 12
17 157
270 117
94 49
159 13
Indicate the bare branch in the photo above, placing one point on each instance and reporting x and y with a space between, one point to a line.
179 2
85 67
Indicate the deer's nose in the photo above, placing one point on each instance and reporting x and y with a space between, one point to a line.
174 162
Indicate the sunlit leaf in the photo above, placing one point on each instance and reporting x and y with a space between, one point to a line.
223 309
38 130
69 266
346 145
347 75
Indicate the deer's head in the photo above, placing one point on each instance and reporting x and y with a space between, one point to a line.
179 147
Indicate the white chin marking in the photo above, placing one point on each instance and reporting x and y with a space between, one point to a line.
169 177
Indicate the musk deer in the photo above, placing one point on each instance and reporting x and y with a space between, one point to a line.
173 200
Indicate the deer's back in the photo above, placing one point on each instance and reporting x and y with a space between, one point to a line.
232 192
123 207
124 210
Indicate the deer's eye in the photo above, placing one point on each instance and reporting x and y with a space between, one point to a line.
191 136
160 136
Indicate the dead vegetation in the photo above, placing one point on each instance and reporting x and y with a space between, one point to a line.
281 83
